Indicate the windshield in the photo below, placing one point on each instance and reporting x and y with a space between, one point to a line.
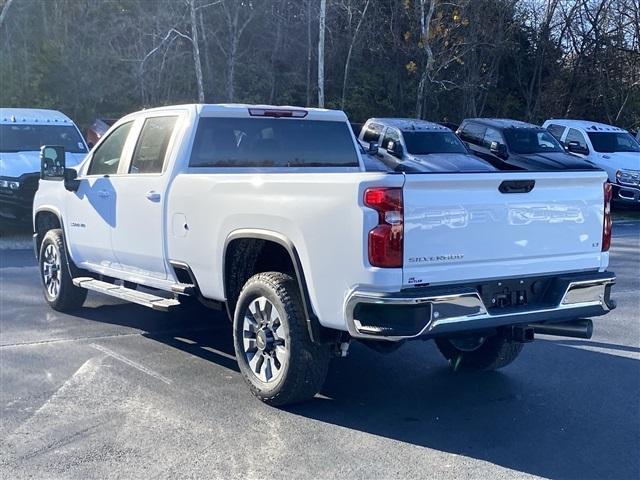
613 142
424 143
269 142
28 138
530 140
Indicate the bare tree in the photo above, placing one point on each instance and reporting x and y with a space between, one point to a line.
322 20
425 33
196 50
237 15
350 13
309 53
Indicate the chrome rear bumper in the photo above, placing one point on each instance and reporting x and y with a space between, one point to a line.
437 311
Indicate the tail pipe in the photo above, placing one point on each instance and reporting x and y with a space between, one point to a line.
574 329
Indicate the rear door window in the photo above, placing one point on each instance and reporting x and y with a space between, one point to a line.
576 136
391 135
372 133
151 149
492 135
556 130
269 142
107 155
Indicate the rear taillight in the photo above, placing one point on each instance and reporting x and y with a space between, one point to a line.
607 221
387 238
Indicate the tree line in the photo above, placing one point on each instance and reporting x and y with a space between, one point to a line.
442 60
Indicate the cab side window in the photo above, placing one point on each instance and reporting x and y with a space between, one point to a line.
472 133
576 136
151 148
106 157
490 136
556 130
372 133
391 135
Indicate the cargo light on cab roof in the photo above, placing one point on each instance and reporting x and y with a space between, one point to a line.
264 112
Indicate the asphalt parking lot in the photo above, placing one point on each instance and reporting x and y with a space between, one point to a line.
119 391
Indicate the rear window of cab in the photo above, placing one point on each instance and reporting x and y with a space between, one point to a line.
272 142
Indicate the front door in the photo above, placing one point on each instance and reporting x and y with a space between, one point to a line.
138 242
90 216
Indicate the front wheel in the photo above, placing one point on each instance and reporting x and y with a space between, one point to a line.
59 291
478 353
275 354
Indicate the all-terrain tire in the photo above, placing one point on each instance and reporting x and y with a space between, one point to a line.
303 372
494 353
53 262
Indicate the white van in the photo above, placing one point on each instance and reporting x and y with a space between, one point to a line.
22 132
611 148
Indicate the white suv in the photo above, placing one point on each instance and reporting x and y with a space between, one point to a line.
22 132
610 148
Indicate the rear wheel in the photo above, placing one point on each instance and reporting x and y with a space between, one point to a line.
59 291
276 356
478 353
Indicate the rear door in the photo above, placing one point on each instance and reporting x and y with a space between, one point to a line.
139 239
461 227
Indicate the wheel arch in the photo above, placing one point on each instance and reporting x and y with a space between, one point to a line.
316 331
45 219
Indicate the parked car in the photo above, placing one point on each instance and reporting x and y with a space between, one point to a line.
610 148
98 128
22 132
408 144
515 145
269 213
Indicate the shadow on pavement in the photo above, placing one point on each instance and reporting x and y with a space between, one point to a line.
560 412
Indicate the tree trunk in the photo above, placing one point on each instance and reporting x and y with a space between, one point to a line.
196 50
309 53
207 55
425 26
348 60
323 15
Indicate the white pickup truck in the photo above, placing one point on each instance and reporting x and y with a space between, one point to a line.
271 214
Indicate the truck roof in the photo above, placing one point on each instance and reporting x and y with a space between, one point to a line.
242 109
410 124
585 125
502 123
32 116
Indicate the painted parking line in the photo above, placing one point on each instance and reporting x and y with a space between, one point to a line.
131 363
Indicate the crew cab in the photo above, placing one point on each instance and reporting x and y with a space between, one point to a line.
610 148
22 132
409 144
515 145
270 214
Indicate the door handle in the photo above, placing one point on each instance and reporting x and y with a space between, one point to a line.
103 194
153 196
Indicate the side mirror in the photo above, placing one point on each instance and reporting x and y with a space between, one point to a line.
70 181
52 162
498 149
575 147
373 148
395 149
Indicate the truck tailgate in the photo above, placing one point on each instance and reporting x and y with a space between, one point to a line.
462 227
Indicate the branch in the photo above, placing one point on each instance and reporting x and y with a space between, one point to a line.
5 9
171 35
